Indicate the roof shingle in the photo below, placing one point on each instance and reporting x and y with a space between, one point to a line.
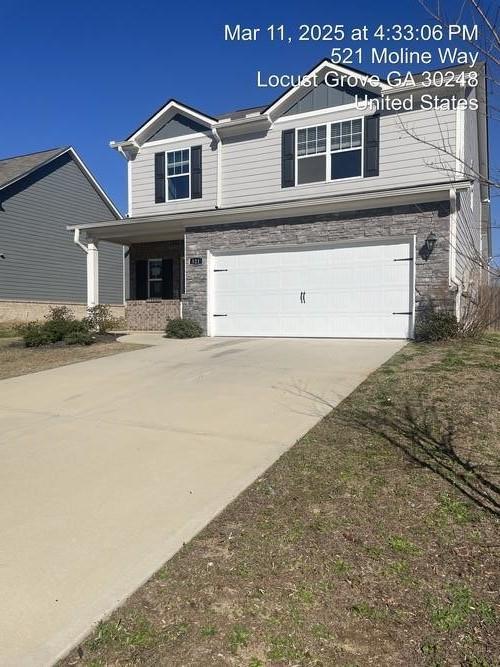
13 168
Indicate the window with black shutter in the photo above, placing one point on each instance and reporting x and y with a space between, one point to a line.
141 279
159 178
372 146
288 158
196 187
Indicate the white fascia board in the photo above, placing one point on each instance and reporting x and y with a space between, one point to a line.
176 106
92 179
172 225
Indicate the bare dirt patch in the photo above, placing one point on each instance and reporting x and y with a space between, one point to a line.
373 541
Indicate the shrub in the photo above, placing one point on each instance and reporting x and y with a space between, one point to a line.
179 328
79 338
34 334
480 311
99 319
59 326
59 314
435 325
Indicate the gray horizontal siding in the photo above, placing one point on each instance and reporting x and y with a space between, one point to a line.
142 178
252 168
42 263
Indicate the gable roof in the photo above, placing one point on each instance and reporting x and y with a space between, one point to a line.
171 105
15 168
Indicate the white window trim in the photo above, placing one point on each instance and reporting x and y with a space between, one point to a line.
328 153
153 280
188 174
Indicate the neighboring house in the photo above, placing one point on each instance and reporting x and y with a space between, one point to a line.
40 194
307 217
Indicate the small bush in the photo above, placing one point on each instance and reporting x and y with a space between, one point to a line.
99 319
58 326
183 329
434 326
59 314
79 338
34 334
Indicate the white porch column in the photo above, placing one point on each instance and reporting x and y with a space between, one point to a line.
92 274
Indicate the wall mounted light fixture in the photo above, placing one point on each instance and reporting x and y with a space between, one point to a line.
428 247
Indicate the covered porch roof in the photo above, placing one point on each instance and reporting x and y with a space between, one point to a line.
163 227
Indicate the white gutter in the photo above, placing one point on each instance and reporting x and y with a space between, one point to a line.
219 167
454 282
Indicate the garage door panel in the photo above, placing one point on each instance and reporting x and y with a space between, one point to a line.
349 291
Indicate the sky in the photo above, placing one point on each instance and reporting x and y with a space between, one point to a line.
84 72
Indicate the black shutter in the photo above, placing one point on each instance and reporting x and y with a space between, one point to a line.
167 274
196 172
141 279
288 158
372 145
159 178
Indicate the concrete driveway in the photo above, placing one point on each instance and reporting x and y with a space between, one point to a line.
108 466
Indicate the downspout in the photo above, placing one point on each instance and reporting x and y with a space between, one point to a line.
453 253
218 139
76 239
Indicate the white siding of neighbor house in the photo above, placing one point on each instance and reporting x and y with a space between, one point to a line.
252 166
142 177
468 242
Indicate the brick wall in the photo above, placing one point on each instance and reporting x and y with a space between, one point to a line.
25 311
418 219
151 315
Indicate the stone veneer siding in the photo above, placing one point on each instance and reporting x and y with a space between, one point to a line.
151 315
419 219
164 249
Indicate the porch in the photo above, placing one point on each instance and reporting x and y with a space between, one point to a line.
156 284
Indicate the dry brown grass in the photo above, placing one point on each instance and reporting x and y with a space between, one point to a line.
373 541
15 359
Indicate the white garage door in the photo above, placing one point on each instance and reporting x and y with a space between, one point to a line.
353 291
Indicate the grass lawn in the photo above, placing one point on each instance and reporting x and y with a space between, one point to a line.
15 359
371 542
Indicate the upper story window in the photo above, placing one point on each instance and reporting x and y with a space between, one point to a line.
342 141
347 149
311 140
178 174
311 154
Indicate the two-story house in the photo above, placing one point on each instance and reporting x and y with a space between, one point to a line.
39 265
324 214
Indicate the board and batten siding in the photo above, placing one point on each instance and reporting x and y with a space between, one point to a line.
42 263
143 182
251 166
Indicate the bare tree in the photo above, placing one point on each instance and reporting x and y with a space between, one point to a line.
446 159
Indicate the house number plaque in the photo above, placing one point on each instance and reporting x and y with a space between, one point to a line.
196 261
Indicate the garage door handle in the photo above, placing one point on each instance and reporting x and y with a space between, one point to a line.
220 315
404 313
302 297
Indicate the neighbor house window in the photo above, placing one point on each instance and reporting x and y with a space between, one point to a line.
311 154
178 174
155 278
346 145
